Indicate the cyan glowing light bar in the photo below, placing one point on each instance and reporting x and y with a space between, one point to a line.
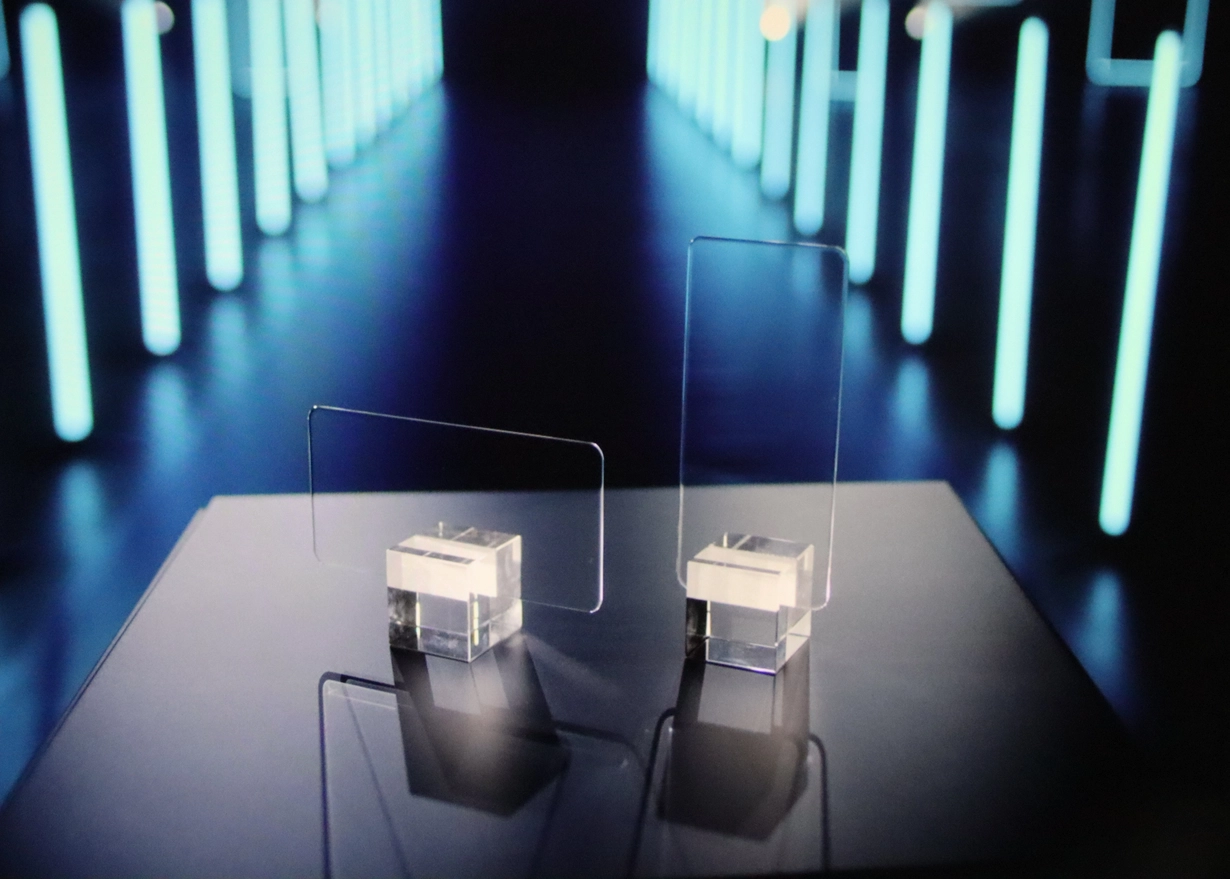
813 158
705 65
362 29
689 55
673 80
270 151
382 64
1020 226
723 72
216 131
337 82
1102 69
437 41
863 208
399 57
311 174
747 138
422 51
151 177
927 176
5 59
68 362
1140 295
779 111
652 41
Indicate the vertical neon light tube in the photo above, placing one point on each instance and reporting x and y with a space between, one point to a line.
311 175
779 112
269 147
688 57
399 53
927 176
675 49
382 64
723 71
364 72
422 45
68 361
863 206
151 178
338 85
704 66
746 140
1020 226
437 41
5 59
216 129
651 42
1140 295
812 162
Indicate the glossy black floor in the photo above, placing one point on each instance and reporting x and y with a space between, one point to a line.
511 252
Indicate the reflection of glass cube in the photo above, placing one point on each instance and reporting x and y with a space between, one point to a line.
750 599
455 591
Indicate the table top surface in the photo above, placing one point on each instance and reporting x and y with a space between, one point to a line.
942 720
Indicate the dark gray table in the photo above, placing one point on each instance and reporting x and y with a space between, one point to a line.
942 721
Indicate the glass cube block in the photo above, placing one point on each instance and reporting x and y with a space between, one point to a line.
749 600
455 591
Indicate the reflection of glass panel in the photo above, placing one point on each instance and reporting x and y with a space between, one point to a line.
459 769
737 783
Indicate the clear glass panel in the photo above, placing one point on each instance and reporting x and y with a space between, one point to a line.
761 406
460 771
456 521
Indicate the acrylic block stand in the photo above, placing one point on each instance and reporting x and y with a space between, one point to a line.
455 591
761 403
453 527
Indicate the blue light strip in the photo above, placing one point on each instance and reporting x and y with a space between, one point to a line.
151 177
675 49
705 65
311 174
216 130
927 176
364 72
653 41
779 112
723 104
338 84
382 64
689 55
437 41
270 151
1102 69
813 159
863 208
399 53
1020 226
59 262
747 139
1140 295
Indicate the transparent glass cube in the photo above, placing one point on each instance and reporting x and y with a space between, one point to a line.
749 600
455 591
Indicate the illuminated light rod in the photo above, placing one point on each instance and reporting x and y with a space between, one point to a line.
151 177
863 208
72 408
1020 226
216 130
927 176
269 142
778 26
338 84
813 153
747 135
362 32
1140 295
1102 69
311 175
5 60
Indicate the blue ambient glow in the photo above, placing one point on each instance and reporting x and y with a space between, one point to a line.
151 177
364 73
216 130
337 83
72 408
813 158
1020 226
746 140
1102 69
311 174
723 73
927 176
863 210
5 59
779 112
1140 295
270 150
